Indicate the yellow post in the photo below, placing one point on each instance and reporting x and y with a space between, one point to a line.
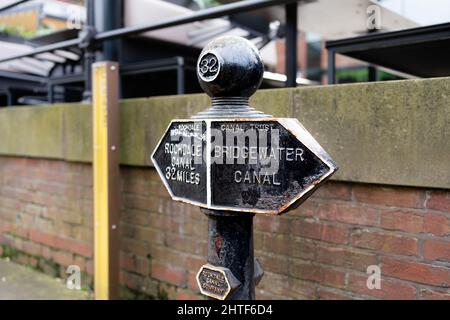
106 179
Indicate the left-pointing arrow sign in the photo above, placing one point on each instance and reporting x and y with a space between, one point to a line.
179 161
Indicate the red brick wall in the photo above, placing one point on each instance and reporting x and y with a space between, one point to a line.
319 251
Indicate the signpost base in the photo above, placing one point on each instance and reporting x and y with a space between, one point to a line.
230 245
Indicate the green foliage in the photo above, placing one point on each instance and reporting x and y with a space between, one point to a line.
21 32
163 295
128 294
206 3
385 76
9 252
356 75
362 75
86 282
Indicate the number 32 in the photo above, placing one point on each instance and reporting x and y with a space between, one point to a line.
208 65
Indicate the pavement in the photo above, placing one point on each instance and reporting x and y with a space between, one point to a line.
19 282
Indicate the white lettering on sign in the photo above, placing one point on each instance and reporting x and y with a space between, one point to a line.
184 151
194 150
253 177
182 176
255 154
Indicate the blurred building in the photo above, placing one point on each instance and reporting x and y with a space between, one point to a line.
163 61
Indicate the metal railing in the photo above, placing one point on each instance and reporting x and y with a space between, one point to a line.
89 38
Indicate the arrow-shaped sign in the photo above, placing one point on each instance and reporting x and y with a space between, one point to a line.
253 165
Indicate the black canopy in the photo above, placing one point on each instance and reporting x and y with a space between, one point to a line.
422 52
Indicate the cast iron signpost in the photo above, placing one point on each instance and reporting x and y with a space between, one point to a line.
234 162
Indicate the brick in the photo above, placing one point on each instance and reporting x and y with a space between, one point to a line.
202 248
389 243
402 221
33 262
164 223
348 214
132 280
82 234
43 223
258 240
34 209
345 257
136 217
19 231
138 187
63 258
166 255
62 228
390 290
135 264
169 273
61 210
320 231
307 209
5 227
326 276
167 291
196 227
136 202
192 281
90 267
416 272
42 237
80 262
32 248
273 264
7 240
439 200
139 248
50 188
298 289
434 295
10 203
437 224
46 252
261 295
396 197
187 295
157 188
22 259
280 225
41 198
150 287
283 285
185 244
127 230
151 235
82 249
18 243
335 191
195 262
17 194
303 248
436 250
326 294
278 244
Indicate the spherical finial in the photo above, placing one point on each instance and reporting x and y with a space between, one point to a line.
230 66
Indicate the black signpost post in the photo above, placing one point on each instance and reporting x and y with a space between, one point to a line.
234 162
